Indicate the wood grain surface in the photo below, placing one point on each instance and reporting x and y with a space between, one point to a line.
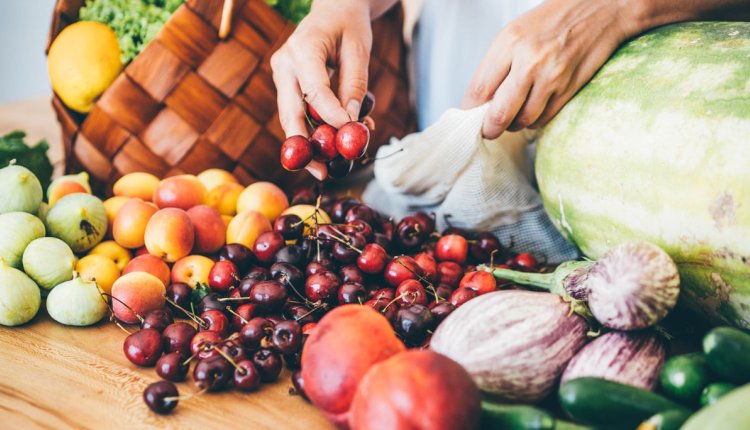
58 377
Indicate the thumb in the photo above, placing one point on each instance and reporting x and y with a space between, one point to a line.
354 60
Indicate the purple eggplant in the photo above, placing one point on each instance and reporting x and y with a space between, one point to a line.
514 344
633 286
631 358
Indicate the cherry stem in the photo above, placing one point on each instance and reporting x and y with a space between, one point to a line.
413 272
189 396
368 159
320 306
196 319
229 359
231 311
137 315
285 280
395 299
232 299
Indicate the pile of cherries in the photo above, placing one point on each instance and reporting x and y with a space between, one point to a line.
262 303
331 151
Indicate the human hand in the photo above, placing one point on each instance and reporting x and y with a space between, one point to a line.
539 61
335 33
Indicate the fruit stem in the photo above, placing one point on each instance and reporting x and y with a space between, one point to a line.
229 359
187 397
231 311
137 315
563 281
196 319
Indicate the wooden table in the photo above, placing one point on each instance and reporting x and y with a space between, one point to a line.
58 377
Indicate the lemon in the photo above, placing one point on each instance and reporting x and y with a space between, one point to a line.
82 62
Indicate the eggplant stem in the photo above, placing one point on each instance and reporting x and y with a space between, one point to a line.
540 280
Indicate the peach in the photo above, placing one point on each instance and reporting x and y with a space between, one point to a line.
149 264
437 387
212 178
130 222
100 269
63 188
246 226
136 184
114 251
112 205
137 291
169 234
337 356
226 219
192 270
224 198
209 229
263 197
181 191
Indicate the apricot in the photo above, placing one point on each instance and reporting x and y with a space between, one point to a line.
112 205
212 178
63 188
246 226
192 270
100 269
129 226
181 191
169 234
149 264
114 251
345 344
136 184
226 219
140 291
263 197
210 230
417 389
224 198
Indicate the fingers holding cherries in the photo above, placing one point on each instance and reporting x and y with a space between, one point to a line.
329 152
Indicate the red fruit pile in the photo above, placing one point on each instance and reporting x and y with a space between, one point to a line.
261 304
333 150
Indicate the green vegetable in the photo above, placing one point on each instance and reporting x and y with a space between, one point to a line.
292 10
13 147
667 420
135 22
714 392
683 377
515 417
655 148
727 350
731 412
599 402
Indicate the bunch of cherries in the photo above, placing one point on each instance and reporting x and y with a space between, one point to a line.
262 303
331 151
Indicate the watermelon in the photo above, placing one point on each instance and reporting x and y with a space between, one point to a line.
657 147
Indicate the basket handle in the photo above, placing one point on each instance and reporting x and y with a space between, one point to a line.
226 19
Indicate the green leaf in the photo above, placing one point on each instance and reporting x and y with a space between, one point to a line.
13 147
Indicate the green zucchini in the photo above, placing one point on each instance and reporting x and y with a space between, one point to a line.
727 350
731 412
515 417
599 402
667 420
684 377
714 391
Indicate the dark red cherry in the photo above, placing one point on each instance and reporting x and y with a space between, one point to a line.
161 397
269 296
251 335
373 259
216 321
267 245
290 226
322 287
177 337
143 347
180 294
339 167
223 276
287 337
172 367
368 103
213 373
352 293
157 319
323 141
400 269
239 254
247 377
268 363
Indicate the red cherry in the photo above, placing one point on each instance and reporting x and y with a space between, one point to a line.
428 266
322 286
323 141
267 245
352 140
373 259
313 114
246 311
461 296
368 103
525 262
452 248
246 376
400 269
216 320
202 342
411 292
143 347
449 273
223 276
296 153
482 282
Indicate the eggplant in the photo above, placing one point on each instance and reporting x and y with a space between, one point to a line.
514 344
630 358
633 286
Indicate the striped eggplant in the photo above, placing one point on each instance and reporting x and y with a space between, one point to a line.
631 358
633 286
514 344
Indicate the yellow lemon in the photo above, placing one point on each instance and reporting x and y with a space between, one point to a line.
82 62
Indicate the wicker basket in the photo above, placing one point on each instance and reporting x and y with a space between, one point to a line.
191 101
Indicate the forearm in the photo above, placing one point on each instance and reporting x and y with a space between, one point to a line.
376 7
647 14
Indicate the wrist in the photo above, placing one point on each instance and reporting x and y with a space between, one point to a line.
636 16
